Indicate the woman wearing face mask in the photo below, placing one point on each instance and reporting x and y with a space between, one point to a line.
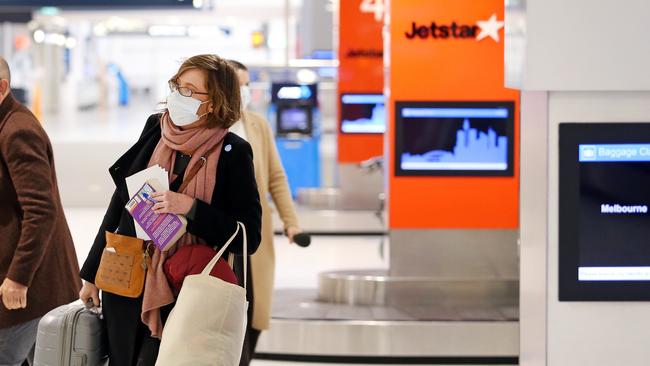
271 180
191 132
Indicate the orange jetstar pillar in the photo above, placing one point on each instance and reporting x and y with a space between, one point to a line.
361 80
452 132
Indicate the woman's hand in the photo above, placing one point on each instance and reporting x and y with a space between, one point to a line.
172 202
291 232
89 292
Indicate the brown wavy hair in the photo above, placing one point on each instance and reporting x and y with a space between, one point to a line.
223 88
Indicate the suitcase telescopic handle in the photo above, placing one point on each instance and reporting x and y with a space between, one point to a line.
97 310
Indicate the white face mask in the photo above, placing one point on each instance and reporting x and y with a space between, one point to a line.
245 96
182 110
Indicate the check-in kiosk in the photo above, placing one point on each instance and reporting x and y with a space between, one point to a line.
294 108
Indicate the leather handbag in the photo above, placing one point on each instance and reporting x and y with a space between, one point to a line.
208 322
123 266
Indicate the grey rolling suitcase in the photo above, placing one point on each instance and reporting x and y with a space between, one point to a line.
71 335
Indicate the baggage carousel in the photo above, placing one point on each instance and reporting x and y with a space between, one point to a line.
372 317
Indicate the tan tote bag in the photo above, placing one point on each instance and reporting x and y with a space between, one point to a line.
208 322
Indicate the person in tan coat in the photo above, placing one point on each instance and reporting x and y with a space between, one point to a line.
271 180
38 263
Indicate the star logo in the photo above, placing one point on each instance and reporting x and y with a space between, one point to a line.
490 28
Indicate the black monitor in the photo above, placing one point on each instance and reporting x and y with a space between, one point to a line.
604 212
363 114
454 138
294 119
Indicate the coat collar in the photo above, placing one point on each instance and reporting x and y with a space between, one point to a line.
137 157
9 104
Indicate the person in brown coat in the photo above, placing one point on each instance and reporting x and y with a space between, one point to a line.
271 181
38 263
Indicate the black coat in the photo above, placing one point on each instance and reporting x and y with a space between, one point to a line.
235 198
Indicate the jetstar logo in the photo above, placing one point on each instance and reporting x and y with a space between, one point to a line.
365 53
482 29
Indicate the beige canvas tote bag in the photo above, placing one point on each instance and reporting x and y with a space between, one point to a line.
208 322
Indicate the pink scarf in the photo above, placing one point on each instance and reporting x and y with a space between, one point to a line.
195 142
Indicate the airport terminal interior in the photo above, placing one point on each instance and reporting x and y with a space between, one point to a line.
473 174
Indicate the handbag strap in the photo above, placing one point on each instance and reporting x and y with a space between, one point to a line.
213 262
196 167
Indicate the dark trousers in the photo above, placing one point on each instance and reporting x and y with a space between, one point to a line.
148 351
17 343
148 347
252 334
250 343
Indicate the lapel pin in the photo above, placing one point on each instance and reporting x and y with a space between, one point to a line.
228 148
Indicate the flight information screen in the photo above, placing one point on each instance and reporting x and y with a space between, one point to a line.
363 113
604 211
456 138
294 119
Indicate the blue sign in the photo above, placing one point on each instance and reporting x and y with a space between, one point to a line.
455 113
363 99
600 153
291 92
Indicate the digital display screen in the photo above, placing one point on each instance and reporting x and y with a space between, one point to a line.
454 138
291 92
604 212
294 119
363 113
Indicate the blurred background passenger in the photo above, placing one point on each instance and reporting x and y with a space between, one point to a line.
271 180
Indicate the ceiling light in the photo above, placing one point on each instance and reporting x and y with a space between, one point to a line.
39 36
